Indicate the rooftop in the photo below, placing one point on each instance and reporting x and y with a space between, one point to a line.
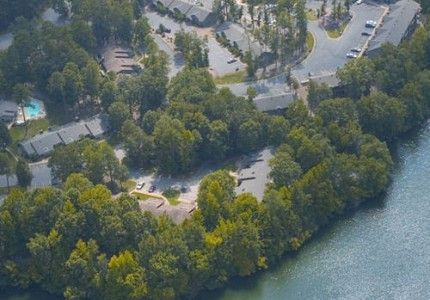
274 102
395 24
254 175
8 107
177 213
237 35
43 144
119 60
73 133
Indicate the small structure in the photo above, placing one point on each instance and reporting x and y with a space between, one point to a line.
254 174
177 213
196 12
239 39
8 111
33 110
73 133
274 103
398 25
42 145
119 60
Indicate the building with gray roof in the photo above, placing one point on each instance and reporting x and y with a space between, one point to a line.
98 125
274 103
198 12
43 144
254 174
244 42
180 6
8 110
73 133
119 60
177 213
397 25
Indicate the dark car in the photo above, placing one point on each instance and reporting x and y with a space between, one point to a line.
152 189
365 33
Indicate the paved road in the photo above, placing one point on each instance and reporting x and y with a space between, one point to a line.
328 55
41 176
218 56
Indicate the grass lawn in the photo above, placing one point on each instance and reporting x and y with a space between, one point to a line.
129 185
236 77
143 196
337 32
310 41
172 196
311 15
34 127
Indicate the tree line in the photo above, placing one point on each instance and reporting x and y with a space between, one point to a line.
82 243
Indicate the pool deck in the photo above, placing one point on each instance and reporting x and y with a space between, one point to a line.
40 115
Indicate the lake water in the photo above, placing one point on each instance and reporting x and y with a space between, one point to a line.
380 252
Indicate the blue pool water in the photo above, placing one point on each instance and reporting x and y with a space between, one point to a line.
33 109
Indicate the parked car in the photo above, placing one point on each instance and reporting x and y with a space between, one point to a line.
152 189
359 2
140 185
351 55
365 33
371 24
356 49
231 60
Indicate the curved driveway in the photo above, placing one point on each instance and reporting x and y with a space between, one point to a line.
328 54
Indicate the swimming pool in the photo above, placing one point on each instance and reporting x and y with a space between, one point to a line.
34 109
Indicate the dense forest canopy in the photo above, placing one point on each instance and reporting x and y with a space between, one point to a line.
11 9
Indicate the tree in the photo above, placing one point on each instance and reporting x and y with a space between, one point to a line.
125 278
83 268
317 93
23 173
284 169
251 64
249 136
5 167
91 79
118 114
22 93
5 138
73 86
382 115
357 77
141 31
56 84
174 146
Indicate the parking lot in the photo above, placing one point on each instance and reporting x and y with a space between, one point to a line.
330 54
189 183
218 55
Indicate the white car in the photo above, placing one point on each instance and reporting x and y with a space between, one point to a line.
351 55
356 49
140 185
231 60
359 2
371 24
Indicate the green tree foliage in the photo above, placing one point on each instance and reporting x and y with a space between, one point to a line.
357 77
96 160
5 138
382 115
193 48
317 93
284 169
23 173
